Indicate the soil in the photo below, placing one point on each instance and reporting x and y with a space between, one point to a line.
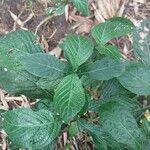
20 8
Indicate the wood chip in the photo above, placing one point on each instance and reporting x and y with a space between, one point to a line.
2 98
16 19
56 52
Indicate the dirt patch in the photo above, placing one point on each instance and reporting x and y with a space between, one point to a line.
137 11
53 30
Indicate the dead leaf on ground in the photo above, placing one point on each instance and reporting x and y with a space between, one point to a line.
44 43
56 52
83 24
105 9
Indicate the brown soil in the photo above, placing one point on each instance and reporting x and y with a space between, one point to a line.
20 8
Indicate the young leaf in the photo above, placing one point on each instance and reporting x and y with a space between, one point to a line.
14 44
49 10
31 129
136 79
106 68
73 129
112 28
77 49
141 42
110 51
119 122
60 9
69 97
43 65
22 82
82 6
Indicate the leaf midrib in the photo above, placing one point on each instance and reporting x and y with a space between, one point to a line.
104 68
29 126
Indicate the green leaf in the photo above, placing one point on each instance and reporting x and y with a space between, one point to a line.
141 42
49 10
106 69
77 49
14 44
31 129
82 6
69 97
136 79
146 144
132 105
110 51
73 129
112 28
43 65
47 83
46 104
14 78
146 127
101 138
119 122
60 9
18 83
112 88
1 119
50 146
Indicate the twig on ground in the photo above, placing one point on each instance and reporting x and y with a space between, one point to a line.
42 22
4 143
2 98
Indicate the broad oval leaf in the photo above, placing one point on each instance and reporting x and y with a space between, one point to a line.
17 43
120 123
43 65
82 6
113 88
112 28
77 49
14 79
22 82
132 105
141 42
69 97
136 79
106 68
31 129
101 138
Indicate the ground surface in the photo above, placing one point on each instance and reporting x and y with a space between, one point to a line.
54 30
